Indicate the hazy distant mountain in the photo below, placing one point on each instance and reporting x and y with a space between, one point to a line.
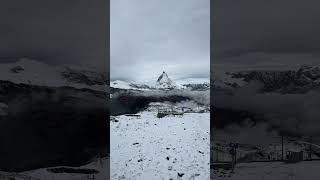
198 87
119 84
163 83
28 71
301 80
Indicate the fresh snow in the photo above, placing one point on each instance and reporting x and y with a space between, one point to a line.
121 85
164 82
193 81
147 147
307 170
101 165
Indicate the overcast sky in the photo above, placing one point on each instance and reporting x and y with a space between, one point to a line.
55 31
149 36
266 32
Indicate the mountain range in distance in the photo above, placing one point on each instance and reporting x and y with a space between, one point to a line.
286 81
31 72
163 83
293 81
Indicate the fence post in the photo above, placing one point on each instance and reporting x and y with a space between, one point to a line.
282 147
310 148
216 158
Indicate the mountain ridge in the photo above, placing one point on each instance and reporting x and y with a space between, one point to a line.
29 71
163 83
295 81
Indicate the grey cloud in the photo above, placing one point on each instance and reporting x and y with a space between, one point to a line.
148 37
294 113
56 32
250 26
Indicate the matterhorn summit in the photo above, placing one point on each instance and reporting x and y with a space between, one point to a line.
164 82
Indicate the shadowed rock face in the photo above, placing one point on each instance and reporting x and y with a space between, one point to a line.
51 126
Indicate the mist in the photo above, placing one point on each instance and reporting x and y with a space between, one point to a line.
294 113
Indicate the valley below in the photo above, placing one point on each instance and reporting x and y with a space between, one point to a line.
265 122
159 132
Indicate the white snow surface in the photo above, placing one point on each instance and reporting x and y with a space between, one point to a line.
307 170
128 85
102 165
193 81
140 147
121 84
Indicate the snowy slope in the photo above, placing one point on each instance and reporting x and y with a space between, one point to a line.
129 85
33 72
193 81
101 165
146 147
121 85
307 170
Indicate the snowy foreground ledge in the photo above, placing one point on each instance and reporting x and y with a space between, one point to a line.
147 147
101 165
307 170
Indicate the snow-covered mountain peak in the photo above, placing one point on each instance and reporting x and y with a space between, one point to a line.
163 77
164 82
